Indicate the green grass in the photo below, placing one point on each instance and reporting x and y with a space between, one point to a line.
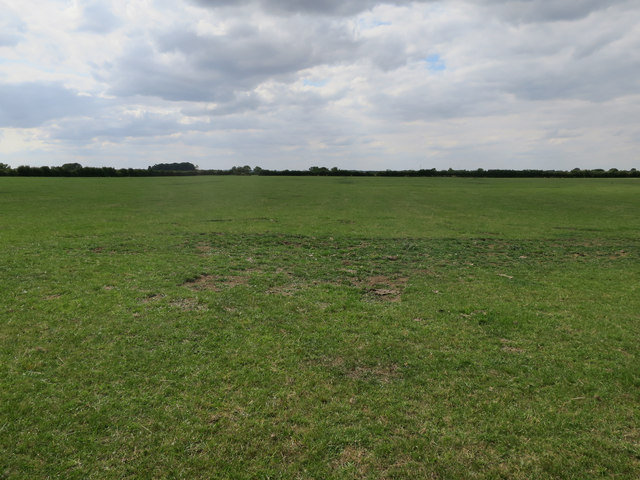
325 328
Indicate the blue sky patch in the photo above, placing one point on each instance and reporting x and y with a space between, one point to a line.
314 83
435 63
369 23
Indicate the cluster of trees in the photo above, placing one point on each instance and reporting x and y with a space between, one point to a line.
503 173
174 167
77 170
494 173
186 168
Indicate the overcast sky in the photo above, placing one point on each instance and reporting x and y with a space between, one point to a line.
357 84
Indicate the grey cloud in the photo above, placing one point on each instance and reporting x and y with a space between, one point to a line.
546 11
140 72
29 105
514 10
97 17
183 65
250 52
387 53
121 126
242 102
12 28
323 7
9 39
594 60
532 63
445 100
591 81
117 127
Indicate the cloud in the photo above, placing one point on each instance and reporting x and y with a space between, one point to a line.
353 83
309 7
29 105
511 10
117 126
12 28
545 11
182 64
97 17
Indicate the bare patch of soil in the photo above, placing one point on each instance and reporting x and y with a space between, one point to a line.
384 287
152 298
102 250
284 290
204 249
620 254
507 347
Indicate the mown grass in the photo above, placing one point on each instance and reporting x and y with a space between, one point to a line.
319 328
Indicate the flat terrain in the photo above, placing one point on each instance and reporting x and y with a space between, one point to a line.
319 328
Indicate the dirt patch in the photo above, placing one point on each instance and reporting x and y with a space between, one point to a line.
284 290
474 313
102 250
204 249
507 347
620 254
390 293
216 282
384 287
153 298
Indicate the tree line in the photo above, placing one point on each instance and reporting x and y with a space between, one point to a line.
187 168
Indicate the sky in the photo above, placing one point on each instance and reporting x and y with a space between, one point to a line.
290 84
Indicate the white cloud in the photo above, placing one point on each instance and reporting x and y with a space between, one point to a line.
356 83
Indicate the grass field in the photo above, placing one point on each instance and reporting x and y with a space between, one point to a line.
319 328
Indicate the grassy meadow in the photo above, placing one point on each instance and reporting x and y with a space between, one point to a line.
319 328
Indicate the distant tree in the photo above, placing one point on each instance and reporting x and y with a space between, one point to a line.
319 170
71 167
174 167
246 170
4 169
